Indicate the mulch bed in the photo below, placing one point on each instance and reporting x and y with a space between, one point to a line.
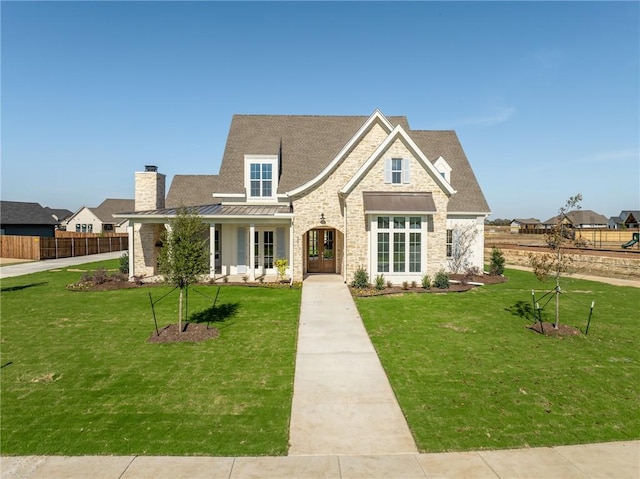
548 330
193 333
460 287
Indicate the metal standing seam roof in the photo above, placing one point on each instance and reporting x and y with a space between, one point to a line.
389 201
214 210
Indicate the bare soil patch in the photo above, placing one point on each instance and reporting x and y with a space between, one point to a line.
192 333
548 330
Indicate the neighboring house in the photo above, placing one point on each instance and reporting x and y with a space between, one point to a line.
27 219
626 220
100 219
579 219
330 194
524 226
60 215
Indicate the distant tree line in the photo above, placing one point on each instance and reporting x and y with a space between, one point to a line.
498 222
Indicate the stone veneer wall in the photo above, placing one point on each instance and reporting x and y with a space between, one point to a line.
323 199
149 195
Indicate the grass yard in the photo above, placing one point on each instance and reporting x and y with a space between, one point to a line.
469 375
79 378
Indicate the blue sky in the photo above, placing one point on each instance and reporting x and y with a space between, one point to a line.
544 96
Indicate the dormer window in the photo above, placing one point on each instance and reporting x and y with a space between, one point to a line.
261 177
443 168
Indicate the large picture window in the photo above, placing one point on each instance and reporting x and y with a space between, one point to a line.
399 244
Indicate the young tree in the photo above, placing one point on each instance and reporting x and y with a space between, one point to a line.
557 260
184 255
463 239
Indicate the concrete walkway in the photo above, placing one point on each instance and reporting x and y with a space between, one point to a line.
19 269
615 460
342 400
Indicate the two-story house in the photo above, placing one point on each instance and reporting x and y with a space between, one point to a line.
328 193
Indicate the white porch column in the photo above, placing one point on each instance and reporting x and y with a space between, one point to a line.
252 248
212 251
131 248
291 256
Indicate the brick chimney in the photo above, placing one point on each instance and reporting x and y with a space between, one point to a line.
150 187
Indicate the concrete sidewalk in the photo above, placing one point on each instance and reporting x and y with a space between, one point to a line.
20 269
617 460
342 400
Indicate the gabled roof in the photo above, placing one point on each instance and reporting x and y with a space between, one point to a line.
104 212
22 213
526 221
307 145
192 190
580 217
59 213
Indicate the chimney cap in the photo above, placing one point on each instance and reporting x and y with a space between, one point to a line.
151 168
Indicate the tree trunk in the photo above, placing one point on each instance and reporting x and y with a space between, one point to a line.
557 302
180 311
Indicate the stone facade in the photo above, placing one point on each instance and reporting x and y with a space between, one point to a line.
149 195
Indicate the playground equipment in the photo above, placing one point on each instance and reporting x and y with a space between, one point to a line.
634 240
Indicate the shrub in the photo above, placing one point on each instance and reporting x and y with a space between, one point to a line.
245 278
414 284
426 281
124 263
497 262
442 280
389 283
360 278
100 276
470 273
405 285
380 282
281 265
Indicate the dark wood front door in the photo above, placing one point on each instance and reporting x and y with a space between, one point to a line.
321 253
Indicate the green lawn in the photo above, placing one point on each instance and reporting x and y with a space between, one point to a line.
469 375
79 378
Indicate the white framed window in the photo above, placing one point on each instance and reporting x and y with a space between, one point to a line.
261 177
399 244
397 171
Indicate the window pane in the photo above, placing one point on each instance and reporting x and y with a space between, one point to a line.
255 187
415 264
255 171
449 243
266 188
398 222
266 171
383 252
383 222
415 222
398 252
396 170
268 249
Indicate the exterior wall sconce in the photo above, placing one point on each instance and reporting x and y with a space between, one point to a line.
322 220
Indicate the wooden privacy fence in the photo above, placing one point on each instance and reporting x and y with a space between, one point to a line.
37 248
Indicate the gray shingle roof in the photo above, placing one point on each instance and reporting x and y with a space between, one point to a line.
108 207
580 217
306 145
192 190
22 213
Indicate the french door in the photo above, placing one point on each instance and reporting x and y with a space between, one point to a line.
321 257
263 251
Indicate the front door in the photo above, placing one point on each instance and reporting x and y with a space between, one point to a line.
321 256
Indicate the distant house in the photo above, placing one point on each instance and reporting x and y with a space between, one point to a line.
579 219
28 219
100 219
523 226
626 220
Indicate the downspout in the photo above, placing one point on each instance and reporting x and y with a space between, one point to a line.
344 253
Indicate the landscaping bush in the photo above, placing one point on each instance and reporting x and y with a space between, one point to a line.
497 262
380 282
442 280
360 278
124 263
426 281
